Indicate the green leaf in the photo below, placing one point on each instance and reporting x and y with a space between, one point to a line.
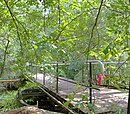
85 98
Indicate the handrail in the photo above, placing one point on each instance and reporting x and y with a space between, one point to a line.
88 61
45 90
74 82
61 63
98 61
13 80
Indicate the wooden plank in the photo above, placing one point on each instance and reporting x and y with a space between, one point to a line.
16 80
103 99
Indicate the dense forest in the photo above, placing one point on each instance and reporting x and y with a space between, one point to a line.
39 32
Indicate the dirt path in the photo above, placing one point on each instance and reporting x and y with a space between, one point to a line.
104 100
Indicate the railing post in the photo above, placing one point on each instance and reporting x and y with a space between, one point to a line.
36 72
57 78
128 108
90 82
82 74
44 75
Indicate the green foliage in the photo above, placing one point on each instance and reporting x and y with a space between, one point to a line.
49 31
35 28
119 82
74 68
28 84
116 109
9 101
83 103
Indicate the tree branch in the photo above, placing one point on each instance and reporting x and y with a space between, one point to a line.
120 66
66 26
6 2
5 53
92 32
16 25
119 12
57 37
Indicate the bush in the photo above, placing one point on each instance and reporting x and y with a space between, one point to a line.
9 101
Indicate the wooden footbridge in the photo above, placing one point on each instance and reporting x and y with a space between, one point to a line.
104 99
74 96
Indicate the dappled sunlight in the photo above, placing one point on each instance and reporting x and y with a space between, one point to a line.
103 99
77 49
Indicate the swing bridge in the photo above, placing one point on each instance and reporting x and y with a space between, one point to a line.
81 87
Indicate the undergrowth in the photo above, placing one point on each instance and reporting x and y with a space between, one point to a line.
9 101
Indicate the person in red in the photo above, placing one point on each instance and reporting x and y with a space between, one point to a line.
100 78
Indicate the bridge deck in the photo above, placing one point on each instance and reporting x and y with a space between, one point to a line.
104 100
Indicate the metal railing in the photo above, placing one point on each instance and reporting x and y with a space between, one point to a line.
58 78
90 75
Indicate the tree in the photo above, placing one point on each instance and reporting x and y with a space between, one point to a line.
45 31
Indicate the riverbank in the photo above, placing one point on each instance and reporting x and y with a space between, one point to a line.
29 110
